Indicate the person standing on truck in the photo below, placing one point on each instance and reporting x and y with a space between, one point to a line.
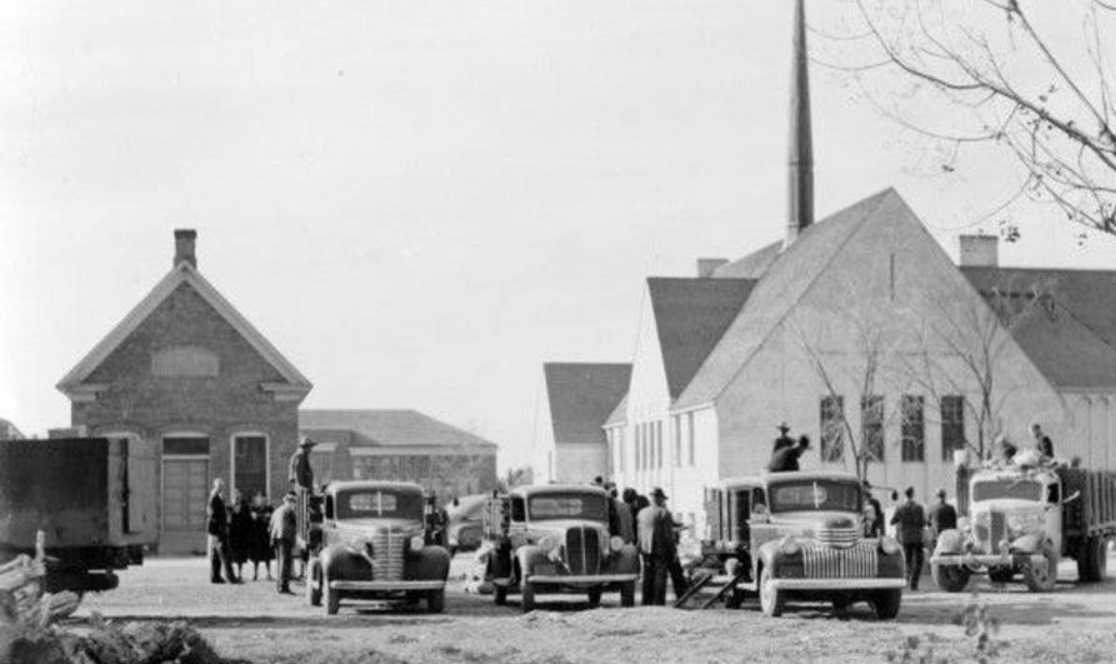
656 544
1043 445
783 440
786 459
284 528
942 515
911 519
301 473
217 528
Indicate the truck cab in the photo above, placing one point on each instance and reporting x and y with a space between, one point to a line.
798 535
556 539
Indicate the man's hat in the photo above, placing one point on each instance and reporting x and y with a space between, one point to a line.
657 492
941 493
783 427
306 442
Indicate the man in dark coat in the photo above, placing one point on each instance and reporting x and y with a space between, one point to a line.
301 473
786 459
783 440
878 525
942 515
657 547
217 529
1043 444
284 529
911 519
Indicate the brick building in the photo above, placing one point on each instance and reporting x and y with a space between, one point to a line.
194 384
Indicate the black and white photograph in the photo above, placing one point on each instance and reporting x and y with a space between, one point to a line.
557 331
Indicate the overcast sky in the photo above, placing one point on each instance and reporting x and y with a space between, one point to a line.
419 203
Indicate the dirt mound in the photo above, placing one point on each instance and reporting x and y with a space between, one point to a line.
109 643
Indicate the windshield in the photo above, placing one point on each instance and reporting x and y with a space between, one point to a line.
815 495
374 504
568 507
1019 489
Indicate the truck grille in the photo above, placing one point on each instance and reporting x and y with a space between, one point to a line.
583 551
860 561
838 538
999 530
387 551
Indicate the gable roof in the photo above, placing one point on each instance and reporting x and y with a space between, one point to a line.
751 266
779 290
1073 339
691 316
387 427
185 273
582 396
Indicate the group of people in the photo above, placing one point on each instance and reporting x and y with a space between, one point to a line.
646 522
239 533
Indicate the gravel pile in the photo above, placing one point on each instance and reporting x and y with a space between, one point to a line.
108 643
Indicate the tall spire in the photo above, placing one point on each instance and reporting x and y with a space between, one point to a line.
800 148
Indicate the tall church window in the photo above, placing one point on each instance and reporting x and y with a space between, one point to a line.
832 428
953 425
676 429
872 426
690 435
659 443
913 428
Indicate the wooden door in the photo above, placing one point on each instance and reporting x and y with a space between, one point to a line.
185 484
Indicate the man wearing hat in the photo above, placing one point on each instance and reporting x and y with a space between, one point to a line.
301 473
657 547
783 440
284 528
942 515
786 459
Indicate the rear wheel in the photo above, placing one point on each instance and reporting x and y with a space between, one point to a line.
527 597
950 578
436 601
314 583
772 600
594 597
1042 575
627 594
887 602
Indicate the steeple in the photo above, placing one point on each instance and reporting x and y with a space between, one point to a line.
800 148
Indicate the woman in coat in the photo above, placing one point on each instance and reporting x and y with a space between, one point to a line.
240 531
259 550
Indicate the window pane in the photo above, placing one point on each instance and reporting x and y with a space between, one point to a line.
832 428
913 428
953 425
872 425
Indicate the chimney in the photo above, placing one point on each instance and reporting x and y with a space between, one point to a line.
184 246
979 251
707 266
800 148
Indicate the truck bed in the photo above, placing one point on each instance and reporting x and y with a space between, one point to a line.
1094 512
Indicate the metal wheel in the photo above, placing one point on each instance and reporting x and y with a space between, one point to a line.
314 583
527 597
887 602
772 600
332 597
1041 577
950 578
594 597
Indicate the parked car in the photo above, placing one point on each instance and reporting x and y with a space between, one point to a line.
555 539
798 536
466 523
373 548
1023 520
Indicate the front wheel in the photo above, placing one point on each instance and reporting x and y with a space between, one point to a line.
1041 576
950 578
627 594
314 583
527 597
772 600
332 596
500 594
594 597
436 601
886 603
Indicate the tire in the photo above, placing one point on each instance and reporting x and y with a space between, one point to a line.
887 602
1101 566
527 597
500 594
436 601
314 583
627 594
332 597
1001 574
772 600
950 578
841 606
1092 563
1041 577
594 597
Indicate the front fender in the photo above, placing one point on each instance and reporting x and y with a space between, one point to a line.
950 542
430 563
625 561
1029 543
343 562
528 556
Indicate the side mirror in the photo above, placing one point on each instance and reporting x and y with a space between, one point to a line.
1072 497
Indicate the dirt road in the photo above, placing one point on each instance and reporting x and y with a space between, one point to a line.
1074 624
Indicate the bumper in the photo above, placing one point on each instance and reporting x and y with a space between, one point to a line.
838 584
386 586
588 580
985 559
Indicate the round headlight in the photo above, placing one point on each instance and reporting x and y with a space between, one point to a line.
789 546
417 542
548 543
889 545
616 543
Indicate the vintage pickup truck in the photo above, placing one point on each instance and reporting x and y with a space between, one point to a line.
1023 520
373 548
555 539
798 536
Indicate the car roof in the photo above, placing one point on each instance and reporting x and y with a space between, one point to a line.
349 485
541 489
775 478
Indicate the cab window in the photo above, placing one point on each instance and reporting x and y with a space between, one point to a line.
518 509
329 506
1053 493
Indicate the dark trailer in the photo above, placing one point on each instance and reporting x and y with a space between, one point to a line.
93 499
